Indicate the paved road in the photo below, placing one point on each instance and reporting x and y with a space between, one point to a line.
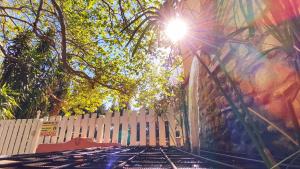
130 157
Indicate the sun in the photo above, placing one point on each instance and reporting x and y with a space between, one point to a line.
176 29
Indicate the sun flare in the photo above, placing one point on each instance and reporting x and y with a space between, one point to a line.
176 29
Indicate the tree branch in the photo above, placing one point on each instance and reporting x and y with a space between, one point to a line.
3 50
12 8
14 18
61 20
64 56
122 11
38 14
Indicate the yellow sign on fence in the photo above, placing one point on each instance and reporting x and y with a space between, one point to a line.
49 129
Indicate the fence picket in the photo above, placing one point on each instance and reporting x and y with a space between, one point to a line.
133 125
172 126
142 121
116 124
36 134
152 131
84 125
25 136
107 125
2 122
8 136
3 134
70 125
162 131
48 138
92 126
100 125
42 138
62 132
53 139
124 122
77 126
13 137
19 137
32 133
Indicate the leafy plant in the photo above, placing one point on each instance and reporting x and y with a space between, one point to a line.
28 69
7 102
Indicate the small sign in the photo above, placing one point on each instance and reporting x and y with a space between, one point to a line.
49 129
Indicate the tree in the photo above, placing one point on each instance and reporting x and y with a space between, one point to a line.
28 69
87 45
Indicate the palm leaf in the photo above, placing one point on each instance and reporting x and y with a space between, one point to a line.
136 30
136 19
137 45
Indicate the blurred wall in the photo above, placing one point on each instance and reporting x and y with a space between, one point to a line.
268 80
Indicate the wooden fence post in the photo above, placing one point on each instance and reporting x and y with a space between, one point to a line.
116 122
23 136
33 131
8 136
142 121
13 137
38 114
84 125
92 126
107 124
151 118
124 120
100 127
62 127
77 123
133 131
172 125
36 135
70 126
53 139
162 131
19 137
47 139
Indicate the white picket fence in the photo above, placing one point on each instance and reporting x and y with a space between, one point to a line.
132 128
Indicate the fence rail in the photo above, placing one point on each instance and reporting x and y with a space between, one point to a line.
132 128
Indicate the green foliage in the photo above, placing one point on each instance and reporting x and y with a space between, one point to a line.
83 98
7 102
91 59
28 70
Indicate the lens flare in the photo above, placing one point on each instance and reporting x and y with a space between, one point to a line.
176 29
